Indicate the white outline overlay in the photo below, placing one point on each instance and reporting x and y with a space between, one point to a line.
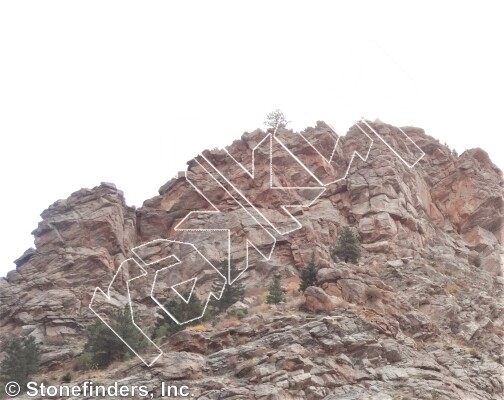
108 297
322 188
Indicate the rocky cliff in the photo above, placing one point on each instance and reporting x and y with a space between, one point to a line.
420 316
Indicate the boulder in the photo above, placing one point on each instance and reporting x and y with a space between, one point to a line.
317 300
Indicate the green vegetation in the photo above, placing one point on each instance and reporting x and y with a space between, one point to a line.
230 295
239 313
67 378
275 292
84 362
308 276
103 346
22 360
347 248
166 326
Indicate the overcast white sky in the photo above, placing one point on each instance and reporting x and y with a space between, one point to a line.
128 92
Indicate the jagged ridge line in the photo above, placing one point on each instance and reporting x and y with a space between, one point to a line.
395 152
284 207
299 225
355 152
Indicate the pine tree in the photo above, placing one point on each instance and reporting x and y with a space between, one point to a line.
276 119
22 360
347 248
230 295
104 345
166 326
275 292
308 276
194 309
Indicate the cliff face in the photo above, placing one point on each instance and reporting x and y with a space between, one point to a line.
419 316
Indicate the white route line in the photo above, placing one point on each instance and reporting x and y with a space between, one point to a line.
249 243
211 294
193 280
108 297
251 174
354 153
392 149
338 137
283 188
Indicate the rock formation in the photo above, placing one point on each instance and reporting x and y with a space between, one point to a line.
420 316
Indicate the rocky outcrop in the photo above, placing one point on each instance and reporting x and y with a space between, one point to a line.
80 242
317 300
420 316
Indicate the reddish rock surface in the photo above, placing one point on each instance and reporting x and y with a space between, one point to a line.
420 316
